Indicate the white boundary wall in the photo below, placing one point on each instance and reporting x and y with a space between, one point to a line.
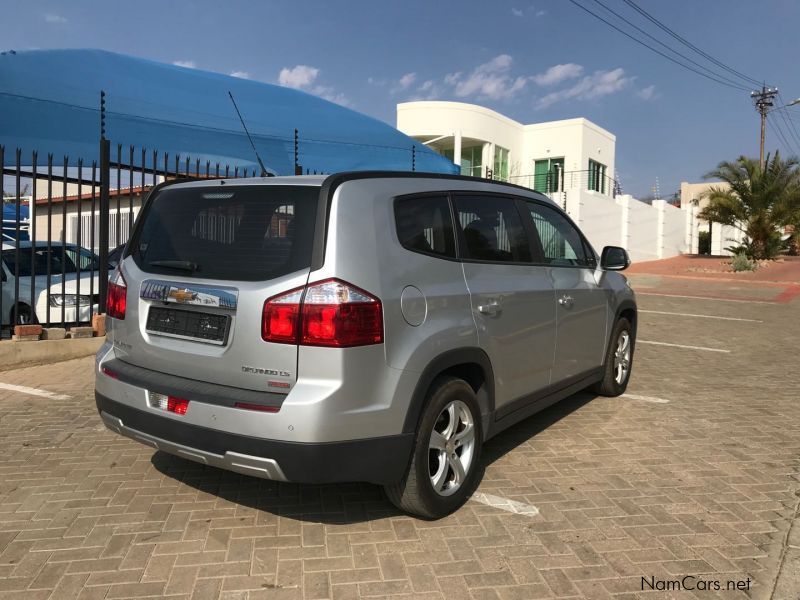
646 231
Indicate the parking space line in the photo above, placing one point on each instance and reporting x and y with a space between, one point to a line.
677 314
652 399
33 391
638 293
683 346
512 506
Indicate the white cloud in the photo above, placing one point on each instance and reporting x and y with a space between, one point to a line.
489 80
596 85
540 13
302 77
188 64
240 74
517 12
558 73
54 18
648 93
299 77
405 81
429 90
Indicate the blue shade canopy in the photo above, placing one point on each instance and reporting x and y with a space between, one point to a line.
49 102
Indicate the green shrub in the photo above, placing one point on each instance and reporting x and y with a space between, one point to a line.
740 262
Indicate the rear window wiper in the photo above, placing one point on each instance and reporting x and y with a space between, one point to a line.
182 265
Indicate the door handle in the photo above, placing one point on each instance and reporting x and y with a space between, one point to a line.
565 300
492 308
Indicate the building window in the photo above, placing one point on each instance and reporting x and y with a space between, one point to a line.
472 161
501 163
548 175
597 176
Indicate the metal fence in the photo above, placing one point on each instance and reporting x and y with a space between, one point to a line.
555 181
64 226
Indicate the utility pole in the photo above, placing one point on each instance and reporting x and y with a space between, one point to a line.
763 101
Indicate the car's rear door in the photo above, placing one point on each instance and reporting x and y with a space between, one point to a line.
512 297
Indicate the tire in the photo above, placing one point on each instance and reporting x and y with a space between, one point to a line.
415 494
617 372
22 314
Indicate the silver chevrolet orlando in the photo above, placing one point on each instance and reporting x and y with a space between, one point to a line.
368 326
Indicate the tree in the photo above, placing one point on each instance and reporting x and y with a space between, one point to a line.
757 202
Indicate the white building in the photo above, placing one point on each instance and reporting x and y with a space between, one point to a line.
548 157
573 161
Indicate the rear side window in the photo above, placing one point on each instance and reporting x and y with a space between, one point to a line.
492 229
424 225
245 233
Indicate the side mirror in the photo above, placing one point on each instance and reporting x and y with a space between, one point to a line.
614 258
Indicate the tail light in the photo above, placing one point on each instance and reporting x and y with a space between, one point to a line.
329 313
117 295
172 404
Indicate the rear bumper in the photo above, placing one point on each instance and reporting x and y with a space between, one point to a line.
381 460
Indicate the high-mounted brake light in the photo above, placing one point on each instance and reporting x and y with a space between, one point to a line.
329 313
116 299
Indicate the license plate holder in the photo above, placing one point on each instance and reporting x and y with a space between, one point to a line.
204 327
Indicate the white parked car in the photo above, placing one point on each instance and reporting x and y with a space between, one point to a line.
71 298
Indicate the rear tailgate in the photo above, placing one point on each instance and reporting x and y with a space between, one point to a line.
200 265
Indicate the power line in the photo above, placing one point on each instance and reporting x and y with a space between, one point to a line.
687 43
669 58
659 42
789 124
780 134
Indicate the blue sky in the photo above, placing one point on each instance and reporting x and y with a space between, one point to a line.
534 61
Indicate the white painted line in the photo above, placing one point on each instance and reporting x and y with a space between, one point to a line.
682 346
33 391
677 314
704 298
652 399
512 506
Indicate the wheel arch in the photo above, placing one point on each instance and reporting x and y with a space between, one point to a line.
470 364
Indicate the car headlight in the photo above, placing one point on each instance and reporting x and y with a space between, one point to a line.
69 300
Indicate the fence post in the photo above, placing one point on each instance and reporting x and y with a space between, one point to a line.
298 168
105 177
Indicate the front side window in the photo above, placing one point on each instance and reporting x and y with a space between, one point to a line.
562 245
492 229
424 225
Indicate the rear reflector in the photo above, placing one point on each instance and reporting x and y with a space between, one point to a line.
109 373
259 407
179 406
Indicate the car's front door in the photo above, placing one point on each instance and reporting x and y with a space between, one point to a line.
581 303
512 298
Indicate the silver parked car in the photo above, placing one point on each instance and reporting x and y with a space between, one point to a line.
367 326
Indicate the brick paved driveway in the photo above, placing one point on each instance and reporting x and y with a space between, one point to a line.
696 473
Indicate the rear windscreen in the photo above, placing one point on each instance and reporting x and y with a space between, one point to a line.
239 233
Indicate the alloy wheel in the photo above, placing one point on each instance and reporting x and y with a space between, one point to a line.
451 448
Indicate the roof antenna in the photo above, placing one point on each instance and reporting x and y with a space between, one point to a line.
261 164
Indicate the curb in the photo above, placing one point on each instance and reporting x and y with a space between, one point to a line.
15 355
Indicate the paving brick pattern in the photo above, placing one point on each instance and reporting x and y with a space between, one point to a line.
704 485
